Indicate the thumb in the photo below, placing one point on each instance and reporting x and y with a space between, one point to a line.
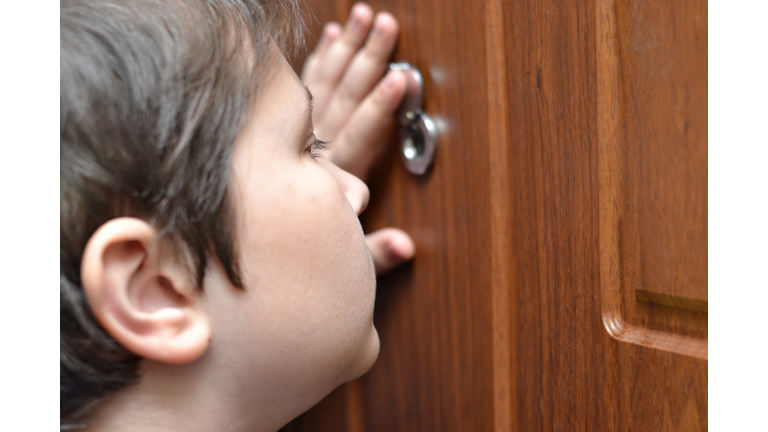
389 247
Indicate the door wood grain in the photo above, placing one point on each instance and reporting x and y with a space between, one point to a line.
560 281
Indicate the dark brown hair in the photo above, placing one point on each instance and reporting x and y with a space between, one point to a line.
153 94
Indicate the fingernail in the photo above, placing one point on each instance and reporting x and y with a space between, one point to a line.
356 18
378 29
394 254
389 81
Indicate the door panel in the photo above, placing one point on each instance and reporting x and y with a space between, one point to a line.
560 281
653 172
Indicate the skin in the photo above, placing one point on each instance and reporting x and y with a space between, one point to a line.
230 359
342 74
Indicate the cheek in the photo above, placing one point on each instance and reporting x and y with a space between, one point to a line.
315 247
308 271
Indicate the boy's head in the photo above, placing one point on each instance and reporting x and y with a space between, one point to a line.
206 253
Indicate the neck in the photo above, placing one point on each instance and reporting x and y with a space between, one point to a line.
176 398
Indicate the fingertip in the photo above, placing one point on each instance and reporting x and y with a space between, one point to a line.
394 86
390 247
361 6
331 31
402 248
385 24
360 16
400 245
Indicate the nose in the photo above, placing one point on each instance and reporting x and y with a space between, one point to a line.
356 191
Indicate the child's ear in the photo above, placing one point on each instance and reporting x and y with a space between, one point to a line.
142 294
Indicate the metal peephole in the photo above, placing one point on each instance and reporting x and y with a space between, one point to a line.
417 131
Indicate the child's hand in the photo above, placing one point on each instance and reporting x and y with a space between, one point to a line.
354 106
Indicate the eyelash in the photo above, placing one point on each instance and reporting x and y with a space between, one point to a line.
317 146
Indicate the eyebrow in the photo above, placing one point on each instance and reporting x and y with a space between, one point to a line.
310 103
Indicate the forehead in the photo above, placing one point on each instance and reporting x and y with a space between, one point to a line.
282 98
277 127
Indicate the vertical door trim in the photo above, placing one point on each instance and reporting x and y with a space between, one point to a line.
504 407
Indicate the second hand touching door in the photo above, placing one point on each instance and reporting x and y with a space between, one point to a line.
560 281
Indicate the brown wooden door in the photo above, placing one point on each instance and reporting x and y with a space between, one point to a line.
560 281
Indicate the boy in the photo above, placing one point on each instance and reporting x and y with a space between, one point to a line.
214 275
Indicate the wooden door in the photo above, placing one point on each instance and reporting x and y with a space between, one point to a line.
560 281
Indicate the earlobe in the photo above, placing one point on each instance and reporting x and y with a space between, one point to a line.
142 294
